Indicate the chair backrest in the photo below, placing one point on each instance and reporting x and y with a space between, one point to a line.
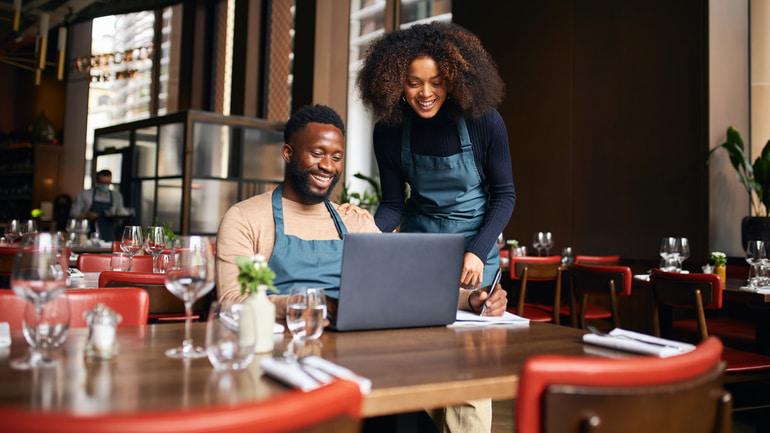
598 280
8 256
88 262
162 302
691 291
597 260
131 303
335 407
535 268
633 394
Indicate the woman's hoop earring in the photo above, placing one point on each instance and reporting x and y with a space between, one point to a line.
403 98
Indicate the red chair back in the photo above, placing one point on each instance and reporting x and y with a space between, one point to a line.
130 302
686 389
88 262
677 290
597 280
537 268
597 260
335 407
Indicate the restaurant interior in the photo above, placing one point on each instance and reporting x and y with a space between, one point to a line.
612 111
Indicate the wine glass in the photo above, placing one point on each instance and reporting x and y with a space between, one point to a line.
72 231
29 227
683 248
39 276
53 326
755 254
538 241
668 248
155 243
13 230
132 241
306 312
566 256
547 242
190 275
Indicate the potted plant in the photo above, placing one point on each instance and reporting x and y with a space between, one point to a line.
756 178
256 279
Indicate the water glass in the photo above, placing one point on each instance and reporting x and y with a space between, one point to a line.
13 230
566 256
230 336
120 262
306 312
53 326
756 255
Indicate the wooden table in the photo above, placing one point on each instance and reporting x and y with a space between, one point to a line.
410 369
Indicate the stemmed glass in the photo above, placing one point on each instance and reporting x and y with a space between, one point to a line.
72 231
38 275
668 250
53 325
683 248
155 243
538 242
13 230
132 242
190 275
548 242
566 256
29 227
755 255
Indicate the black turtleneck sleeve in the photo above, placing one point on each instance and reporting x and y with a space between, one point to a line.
438 136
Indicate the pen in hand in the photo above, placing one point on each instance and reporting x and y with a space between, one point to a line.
495 281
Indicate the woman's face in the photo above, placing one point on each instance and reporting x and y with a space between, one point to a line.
425 90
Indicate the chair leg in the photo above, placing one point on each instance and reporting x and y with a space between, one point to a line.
704 333
614 305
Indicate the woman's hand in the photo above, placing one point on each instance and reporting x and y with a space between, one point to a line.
348 208
473 272
496 304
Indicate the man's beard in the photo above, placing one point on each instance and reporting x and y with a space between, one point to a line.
301 182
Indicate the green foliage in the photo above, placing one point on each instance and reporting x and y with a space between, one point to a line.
170 235
756 177
365 200
719 258
253 272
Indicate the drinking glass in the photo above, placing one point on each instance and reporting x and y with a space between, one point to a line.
39 276
230 336
566 256
29 227
155 243
548 242
755 256
120 262
13 230
132 241
683 248
84 226
538 241
190 275
668 248
53 326
72 231
306 312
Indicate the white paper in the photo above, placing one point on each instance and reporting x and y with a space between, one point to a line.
5 334
630 341
467 318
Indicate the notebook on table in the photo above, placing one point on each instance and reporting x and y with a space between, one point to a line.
399 280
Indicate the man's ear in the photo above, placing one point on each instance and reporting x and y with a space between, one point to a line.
286 153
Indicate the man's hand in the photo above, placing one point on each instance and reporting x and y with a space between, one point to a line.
473 272
496 304
348 208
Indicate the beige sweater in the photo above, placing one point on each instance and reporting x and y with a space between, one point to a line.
248 228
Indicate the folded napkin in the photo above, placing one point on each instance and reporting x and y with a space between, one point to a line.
643 277
466 318
636 342
5 334
310 373
760 290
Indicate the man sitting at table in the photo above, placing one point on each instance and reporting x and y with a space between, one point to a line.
300 232
306 244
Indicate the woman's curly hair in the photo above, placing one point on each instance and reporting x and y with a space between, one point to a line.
471 76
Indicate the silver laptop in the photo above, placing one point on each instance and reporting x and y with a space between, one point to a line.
399 280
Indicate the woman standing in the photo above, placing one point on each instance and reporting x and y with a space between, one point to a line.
433 89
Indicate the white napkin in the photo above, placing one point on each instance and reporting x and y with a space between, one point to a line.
313 372
760 290
466 318
636 342
277 328
5 334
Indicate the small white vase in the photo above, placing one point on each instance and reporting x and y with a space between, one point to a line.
263 311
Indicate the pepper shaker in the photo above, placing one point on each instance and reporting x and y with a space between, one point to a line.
102 323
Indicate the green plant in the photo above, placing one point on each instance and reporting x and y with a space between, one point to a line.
365 200
719 258
254 272
756 177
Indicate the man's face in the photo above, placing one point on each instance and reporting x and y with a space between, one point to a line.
103 183
314 157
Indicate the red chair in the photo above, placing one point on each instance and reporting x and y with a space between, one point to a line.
700 292
164 306
596 280
335 407
527 269
634 394
597 260
7 256
88 262
130 302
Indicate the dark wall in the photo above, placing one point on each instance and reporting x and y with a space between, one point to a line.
607 114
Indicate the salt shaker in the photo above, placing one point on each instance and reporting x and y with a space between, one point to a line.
102 323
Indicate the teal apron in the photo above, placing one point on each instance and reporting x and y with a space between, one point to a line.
106 226
309 263
447 195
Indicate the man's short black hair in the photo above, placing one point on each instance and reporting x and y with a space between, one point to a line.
104 173
312 113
